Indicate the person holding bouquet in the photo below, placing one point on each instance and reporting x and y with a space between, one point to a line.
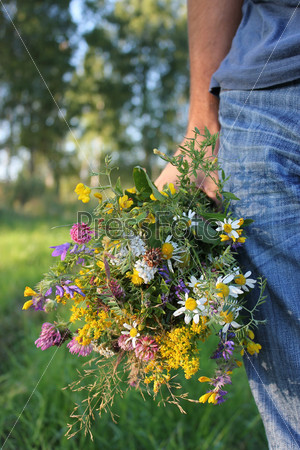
245 83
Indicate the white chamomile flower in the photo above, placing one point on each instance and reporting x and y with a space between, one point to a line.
189 217
227 319
225 289
171 250
192 309
243 281
196 284
145 271
132 332
229 227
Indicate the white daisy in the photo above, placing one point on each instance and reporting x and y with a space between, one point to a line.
171 250
187 217
132 332
243 281
225 289
228 319
192 309
229 227
197 284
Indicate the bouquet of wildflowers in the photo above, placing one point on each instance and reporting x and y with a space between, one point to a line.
147 282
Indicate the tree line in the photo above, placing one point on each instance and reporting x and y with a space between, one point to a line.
117 73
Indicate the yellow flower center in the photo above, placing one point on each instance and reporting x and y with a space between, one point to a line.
240 279
167 250
241 221
227 316
223 290
190 304
227 228
133 332
189 223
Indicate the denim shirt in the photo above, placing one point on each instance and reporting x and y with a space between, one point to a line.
266 48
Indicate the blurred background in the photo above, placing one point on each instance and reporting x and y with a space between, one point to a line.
80 80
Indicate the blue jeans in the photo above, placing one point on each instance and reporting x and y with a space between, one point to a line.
260 151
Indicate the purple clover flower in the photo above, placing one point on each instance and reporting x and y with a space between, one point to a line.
77 349
49 336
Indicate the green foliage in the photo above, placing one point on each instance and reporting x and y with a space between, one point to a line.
33 87
133 87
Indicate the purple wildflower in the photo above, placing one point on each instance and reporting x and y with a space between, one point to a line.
224 349
61 250
220 380
181 288
146 348
220 396
116 289
164 272
81 233
49 336
125 343
69 289
78 349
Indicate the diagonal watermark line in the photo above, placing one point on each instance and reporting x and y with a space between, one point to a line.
270 396
29 398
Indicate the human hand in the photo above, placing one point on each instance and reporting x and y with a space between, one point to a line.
207 184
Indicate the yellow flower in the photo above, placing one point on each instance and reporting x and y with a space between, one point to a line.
29 292
83 192
109 207
241 221
204 379
152 197
150 218
204 397
224 237
27 304
99 196
172 188
125 202
212 398
131 190
251 334
135 278
101 265
253 348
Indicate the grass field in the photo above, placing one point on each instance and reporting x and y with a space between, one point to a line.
35 409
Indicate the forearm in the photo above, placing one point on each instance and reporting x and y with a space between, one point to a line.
211 27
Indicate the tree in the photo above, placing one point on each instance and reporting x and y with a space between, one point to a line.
28 110
133 86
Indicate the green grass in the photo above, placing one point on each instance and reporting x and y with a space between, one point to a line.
34 378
